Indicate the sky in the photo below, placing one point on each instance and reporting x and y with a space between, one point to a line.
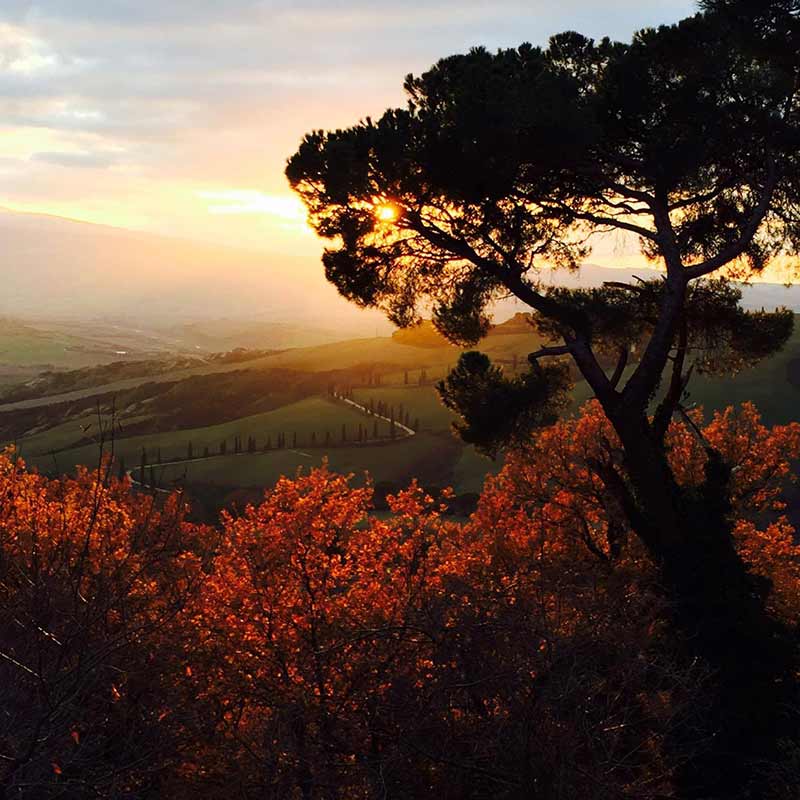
177 116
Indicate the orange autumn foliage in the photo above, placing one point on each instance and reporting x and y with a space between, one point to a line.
311 649
556 479
93 580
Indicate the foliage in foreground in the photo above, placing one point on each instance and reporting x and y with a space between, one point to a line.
306 649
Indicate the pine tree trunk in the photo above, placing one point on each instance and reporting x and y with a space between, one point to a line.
719 615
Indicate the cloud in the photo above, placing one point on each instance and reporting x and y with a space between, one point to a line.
218 93
67 159
248 201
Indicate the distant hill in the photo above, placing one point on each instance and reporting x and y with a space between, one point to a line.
422 335
55 267
216 335
426 336
519 323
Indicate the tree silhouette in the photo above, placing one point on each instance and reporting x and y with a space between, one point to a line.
686 138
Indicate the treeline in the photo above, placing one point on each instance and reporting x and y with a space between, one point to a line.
395 416
307 649
384 430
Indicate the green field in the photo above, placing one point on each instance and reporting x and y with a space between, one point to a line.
766 385
426 456
312 415
421 402
434 455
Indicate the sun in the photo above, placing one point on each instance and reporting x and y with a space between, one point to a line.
386 212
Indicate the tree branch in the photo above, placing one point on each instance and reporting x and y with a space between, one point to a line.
647 374
544 352
622 362
677 384
509 274
750 230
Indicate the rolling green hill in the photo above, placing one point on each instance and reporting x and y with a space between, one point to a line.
287 393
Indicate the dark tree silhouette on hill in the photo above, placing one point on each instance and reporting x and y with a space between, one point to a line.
686 138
